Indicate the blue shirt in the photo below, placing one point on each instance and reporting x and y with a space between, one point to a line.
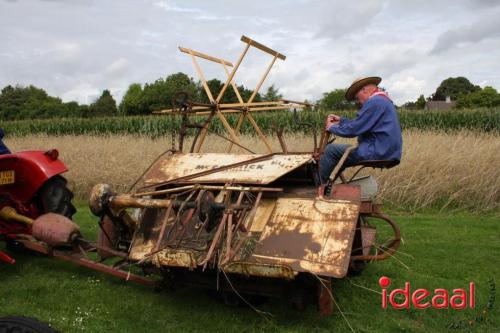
377 128
3 147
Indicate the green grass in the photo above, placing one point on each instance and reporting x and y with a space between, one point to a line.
447 251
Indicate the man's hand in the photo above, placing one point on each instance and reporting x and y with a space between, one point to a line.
332 119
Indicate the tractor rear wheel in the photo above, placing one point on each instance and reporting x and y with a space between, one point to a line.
16 324
55 197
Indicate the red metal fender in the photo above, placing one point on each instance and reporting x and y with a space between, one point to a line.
32 169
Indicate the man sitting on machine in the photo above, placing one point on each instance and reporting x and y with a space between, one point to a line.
376 126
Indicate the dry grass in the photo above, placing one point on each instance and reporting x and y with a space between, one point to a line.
444 170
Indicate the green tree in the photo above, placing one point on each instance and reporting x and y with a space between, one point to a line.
31 102
103 106
132 102
215 86
159 95
420 103
453 87
272 94
487 97
335 100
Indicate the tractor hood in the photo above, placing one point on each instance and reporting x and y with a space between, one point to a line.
223 168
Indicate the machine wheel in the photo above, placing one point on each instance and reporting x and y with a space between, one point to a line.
55 197
356 268
17 324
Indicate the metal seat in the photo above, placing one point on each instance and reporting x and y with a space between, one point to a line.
379 164
382 164
337 172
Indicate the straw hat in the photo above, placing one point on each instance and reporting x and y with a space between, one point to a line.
360 83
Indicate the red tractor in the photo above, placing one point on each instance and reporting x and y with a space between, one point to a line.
32 185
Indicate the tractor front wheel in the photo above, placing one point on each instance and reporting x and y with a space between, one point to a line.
16 324
55 197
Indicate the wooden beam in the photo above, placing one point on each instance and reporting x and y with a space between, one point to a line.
232 105
230 78
202 78
201 138
281 107
259 132
262 47
263 78
237 130
205 111
235 88
228 127
205 56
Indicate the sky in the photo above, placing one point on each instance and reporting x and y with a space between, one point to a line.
74 49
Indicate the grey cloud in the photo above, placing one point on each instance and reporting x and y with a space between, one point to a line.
344 19
483 3
485 28
75 49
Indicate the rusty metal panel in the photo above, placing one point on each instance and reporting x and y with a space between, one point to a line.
309 235
175 258
262 172
140 249
368 236
263 270
147 233
262 214
346 192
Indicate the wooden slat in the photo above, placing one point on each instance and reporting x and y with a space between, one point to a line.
263 78
237 130
262 47
202 78
205 56
259 132
295 102
228 127
205 111
281 107
230 78
202 137
235 87
232 105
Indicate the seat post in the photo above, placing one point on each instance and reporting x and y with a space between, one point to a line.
339 165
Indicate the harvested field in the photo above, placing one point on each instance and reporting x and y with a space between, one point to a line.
439 170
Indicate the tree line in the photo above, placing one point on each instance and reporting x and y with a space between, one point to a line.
18 102
31 102
462 92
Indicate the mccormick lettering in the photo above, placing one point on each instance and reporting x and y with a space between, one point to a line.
422 298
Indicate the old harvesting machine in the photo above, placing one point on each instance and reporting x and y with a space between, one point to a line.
244 224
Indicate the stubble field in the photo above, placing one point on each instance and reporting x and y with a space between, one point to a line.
446 171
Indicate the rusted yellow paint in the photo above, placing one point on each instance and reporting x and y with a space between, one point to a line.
262 270
309 235
139 250
262 215
175 258
294 235
262 172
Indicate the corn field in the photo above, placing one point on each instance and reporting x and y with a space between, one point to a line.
480 120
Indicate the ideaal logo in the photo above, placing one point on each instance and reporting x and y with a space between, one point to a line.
422 298
440 299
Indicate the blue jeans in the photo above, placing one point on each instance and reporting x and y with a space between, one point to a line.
331 157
